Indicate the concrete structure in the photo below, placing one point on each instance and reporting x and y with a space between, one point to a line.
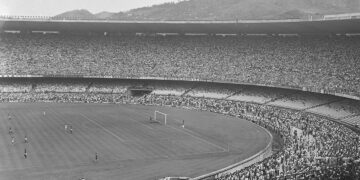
28 24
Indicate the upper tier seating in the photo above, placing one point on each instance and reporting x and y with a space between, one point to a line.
314 63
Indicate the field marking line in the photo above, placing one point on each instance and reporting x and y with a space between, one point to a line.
186 131
132 119
105 129
141 123
199 138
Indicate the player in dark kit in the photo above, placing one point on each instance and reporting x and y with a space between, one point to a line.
10 131
25 154
96 157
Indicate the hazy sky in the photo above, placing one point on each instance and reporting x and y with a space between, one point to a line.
54 7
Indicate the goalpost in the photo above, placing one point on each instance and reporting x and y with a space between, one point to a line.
160 117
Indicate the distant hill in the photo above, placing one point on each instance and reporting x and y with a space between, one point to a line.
233 9
79 14
104 15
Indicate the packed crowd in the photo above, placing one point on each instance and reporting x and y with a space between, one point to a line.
315 63
63 86
64 97
314 148
332 106
11 86
108 87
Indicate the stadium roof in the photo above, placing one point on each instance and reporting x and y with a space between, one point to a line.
218 27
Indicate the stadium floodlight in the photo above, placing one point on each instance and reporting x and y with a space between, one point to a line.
160 117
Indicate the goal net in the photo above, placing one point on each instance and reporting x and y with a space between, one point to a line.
160 117
163 118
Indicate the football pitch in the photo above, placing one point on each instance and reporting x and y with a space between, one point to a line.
128 146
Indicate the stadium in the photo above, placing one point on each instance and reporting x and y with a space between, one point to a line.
138 100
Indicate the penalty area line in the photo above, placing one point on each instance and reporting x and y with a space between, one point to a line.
131 119
105 129
185 131
138 122
188 132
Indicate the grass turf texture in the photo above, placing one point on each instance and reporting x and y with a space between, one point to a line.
128 145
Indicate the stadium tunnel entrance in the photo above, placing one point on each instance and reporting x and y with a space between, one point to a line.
137 92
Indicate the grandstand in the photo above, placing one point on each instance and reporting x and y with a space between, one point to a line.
308 83
320 64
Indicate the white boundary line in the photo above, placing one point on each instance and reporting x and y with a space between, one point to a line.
186 131
200 139
108 131
141 123
132 119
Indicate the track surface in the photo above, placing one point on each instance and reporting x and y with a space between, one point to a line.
128 145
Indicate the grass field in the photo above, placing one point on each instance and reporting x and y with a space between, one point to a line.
128 145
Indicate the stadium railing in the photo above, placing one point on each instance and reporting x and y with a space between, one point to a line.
41 18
